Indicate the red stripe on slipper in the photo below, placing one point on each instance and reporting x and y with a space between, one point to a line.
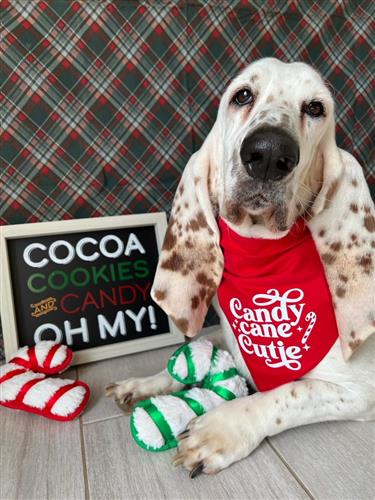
32 357
19 405
26 387
32 362
50 354
12 374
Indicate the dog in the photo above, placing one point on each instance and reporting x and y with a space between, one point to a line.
269 161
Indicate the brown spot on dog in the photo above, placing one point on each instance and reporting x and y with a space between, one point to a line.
174 263
367 209
353 237
340 291
354 207
328 258
181 189
343 278
354 344
235 213
373 244
169 240
352 334
202 293
369 222
201 220
211 258
354 182
203 279
330 193
193 225
182 324
366 263
270 98
321 233
189 244
195 302
196 179
335 246
278 421
160 294
186 204
254 78
293 394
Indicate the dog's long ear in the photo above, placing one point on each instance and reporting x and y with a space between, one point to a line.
344 234
343 228
191 262
331 169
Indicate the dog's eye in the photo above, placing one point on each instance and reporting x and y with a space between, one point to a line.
243 97
314 109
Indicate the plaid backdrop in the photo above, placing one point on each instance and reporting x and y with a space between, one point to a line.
102 103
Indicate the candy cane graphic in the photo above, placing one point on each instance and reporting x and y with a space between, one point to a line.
311 316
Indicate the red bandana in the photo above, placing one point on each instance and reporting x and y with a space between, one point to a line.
276 298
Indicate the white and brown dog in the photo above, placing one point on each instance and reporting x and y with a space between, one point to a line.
270 159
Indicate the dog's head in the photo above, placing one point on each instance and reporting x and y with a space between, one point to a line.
274 145
270 157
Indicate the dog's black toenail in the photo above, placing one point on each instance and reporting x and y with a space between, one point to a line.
198 469
183 435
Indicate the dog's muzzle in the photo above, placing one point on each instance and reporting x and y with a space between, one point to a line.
269 153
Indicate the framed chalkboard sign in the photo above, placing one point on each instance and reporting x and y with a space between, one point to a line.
85 283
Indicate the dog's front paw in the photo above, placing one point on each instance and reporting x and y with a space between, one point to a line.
217 439
128 392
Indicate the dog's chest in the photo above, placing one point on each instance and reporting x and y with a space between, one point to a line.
277 305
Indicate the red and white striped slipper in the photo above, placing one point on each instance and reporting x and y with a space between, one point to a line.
55 398
45 357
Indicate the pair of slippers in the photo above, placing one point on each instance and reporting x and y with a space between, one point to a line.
26 382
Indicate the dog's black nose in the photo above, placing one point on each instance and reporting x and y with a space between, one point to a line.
269 153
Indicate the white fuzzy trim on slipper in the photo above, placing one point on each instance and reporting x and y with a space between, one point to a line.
39 395
69 401
11 387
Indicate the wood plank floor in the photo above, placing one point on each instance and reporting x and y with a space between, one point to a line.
95 457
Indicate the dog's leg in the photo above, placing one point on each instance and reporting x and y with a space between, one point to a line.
233 430
130 391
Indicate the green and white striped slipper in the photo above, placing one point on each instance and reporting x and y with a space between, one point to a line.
156 422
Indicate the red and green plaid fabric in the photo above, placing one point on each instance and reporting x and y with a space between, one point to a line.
102 103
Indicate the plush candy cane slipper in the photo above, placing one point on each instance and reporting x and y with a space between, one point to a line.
191 362
45 357
55 398
156 422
